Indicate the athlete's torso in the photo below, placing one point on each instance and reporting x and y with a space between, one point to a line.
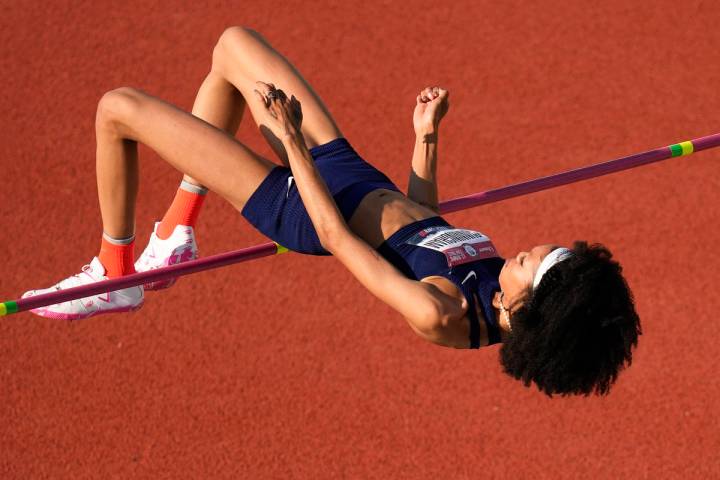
383 212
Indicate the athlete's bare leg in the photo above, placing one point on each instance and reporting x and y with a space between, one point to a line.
208 154
219 103
242 57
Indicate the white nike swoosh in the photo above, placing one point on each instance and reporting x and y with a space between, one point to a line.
472 272
290 180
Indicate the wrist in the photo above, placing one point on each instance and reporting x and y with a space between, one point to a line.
426 136
292 137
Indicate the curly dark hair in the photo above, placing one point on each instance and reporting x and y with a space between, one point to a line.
574 333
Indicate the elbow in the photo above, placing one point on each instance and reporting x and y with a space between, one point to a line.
328 238
431 327
439 328
434 207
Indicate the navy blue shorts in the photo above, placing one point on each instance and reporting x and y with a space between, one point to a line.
276 208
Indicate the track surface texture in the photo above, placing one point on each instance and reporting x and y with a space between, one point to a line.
285 367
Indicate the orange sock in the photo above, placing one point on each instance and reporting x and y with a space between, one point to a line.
184 209
118 259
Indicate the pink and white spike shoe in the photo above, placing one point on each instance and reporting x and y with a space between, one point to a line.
125 300
177 248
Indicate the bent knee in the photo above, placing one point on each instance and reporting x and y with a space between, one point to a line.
236 34
233 39
118 106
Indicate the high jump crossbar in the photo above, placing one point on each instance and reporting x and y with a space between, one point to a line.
449 206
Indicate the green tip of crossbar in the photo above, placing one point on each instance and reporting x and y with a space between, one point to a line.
280 249
6 308
683 148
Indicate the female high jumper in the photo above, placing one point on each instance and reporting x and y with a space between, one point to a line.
565 316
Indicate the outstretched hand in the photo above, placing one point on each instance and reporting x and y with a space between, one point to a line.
431 106
283 114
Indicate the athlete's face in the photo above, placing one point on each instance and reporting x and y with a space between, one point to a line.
518 273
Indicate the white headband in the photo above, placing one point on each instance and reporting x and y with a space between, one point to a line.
556 256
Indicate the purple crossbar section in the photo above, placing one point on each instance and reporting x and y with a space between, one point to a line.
164 273
449 206
571 176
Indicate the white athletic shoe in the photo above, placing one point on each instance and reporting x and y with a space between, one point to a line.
125 300
177 248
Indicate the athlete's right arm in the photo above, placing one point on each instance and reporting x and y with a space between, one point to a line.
431 106
422 186
431 313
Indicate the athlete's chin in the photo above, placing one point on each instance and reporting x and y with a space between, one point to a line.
501 276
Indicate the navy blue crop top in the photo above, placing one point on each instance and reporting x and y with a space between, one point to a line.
465 257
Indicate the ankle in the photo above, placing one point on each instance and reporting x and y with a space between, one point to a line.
117 255
184 209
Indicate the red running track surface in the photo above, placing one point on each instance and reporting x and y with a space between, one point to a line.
286 367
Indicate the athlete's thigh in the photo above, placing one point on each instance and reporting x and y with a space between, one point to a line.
244 57
194 147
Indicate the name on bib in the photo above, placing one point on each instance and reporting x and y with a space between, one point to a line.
457 244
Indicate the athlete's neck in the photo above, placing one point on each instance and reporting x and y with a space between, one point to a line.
499 317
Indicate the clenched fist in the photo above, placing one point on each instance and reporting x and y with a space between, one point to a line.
431 106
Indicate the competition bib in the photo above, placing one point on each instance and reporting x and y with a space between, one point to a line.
458 245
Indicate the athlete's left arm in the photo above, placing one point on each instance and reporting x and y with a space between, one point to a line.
316 197
428 310
421 304
284 118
